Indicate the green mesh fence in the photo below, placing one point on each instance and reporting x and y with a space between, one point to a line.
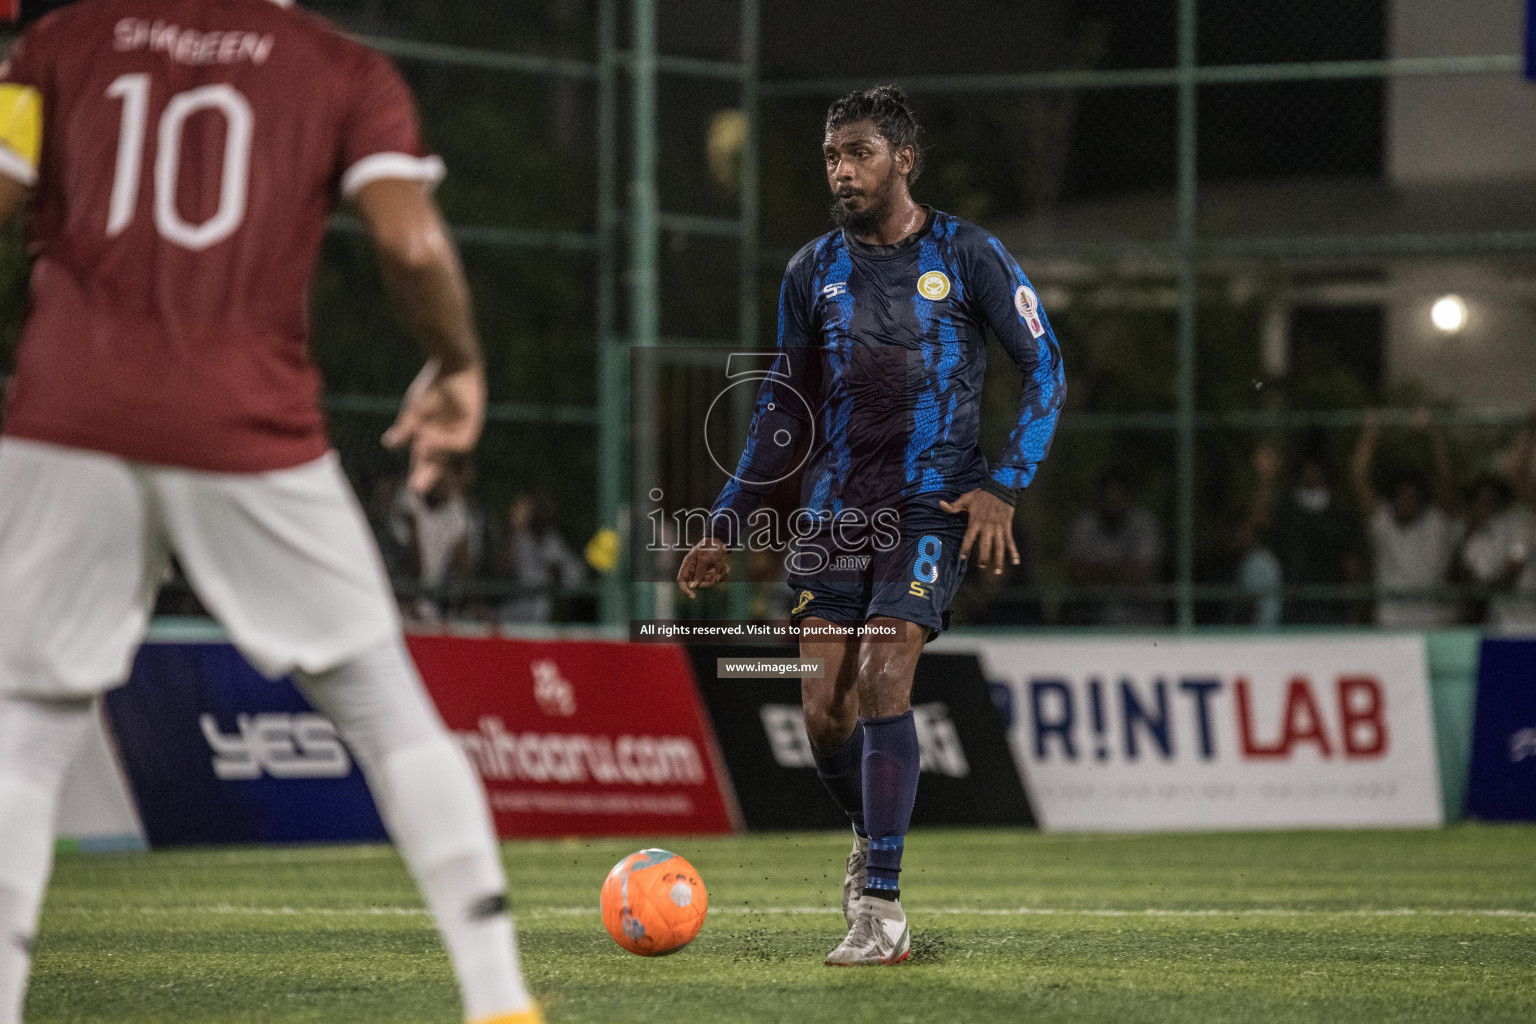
1271 215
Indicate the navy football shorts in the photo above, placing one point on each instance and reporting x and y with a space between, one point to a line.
914 580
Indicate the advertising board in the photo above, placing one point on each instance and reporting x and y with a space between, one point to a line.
1502 782
967 775
581 737
215 753
1162 733
570 738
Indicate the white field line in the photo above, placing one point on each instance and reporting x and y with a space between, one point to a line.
341 853
748 911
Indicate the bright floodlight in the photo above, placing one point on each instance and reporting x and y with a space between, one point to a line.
1449 313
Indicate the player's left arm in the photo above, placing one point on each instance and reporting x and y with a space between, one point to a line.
387 175
1004 300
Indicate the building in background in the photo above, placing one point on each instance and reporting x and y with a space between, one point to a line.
1393 241
1463 151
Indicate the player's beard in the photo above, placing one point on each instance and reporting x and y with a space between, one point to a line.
877 206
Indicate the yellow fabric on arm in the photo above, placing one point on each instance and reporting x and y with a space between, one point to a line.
21 121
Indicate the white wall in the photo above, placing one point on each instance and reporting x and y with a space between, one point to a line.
1461 130
1473 128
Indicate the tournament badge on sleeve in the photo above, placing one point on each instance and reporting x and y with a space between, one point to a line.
1028 305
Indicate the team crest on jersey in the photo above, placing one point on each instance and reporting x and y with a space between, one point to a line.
933 285
1028 305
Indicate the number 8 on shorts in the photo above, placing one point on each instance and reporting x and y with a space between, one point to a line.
925 568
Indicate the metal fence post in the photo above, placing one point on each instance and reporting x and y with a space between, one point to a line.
643 278
612 356
741 593
1188 216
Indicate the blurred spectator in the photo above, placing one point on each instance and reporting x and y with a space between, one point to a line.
1489 556
442 539
380 510
1497 552
1116 544
1516 463
1316 541
1258 577
176 597
1413 538
537 559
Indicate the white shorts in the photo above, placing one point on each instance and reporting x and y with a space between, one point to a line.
284 559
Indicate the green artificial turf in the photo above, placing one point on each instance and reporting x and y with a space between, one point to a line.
1007 926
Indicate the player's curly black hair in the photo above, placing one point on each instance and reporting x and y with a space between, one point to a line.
887 107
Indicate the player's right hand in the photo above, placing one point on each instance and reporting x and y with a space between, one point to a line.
441 417
989 526
704 566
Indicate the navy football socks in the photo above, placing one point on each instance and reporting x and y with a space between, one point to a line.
891 762
842 772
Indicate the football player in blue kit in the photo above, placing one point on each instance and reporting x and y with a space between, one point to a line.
876 393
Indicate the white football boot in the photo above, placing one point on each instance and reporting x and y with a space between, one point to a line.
855 877
879 936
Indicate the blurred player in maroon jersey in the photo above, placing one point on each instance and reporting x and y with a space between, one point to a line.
181 158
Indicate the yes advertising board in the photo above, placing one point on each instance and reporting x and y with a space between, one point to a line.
1162 734
569 738
215 753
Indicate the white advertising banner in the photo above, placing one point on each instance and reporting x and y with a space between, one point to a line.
1162 734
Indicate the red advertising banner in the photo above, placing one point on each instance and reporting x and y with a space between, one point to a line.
581 737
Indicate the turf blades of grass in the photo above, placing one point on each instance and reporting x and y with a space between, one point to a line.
1008 925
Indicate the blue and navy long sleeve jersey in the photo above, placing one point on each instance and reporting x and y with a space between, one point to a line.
876 386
